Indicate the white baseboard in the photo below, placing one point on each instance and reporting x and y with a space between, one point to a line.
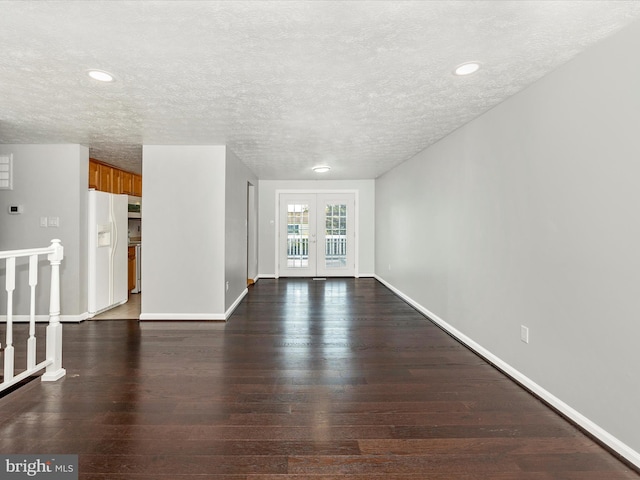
598 432
196 316
45 318
273 275
182 316
230 310
74 318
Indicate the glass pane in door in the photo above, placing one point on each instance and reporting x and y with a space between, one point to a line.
297 235
335 236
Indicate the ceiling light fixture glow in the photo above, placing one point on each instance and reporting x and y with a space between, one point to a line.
467 68
101 75
321 169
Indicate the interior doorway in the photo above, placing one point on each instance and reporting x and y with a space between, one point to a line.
252 235
317 234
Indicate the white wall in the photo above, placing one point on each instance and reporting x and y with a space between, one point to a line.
528 216
49 181
184 191
267 215
237 179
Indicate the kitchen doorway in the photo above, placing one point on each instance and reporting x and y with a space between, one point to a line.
317 234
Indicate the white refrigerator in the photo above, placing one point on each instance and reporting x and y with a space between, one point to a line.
108 242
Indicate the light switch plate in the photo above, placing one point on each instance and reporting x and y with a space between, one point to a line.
524 334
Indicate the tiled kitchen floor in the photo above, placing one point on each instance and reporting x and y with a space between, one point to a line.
126 311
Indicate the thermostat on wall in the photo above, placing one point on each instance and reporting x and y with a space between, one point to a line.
16 209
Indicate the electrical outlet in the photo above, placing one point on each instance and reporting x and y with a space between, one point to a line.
227 286
524 334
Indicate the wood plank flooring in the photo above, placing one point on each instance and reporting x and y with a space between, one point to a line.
308 379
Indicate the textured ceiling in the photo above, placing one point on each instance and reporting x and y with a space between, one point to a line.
287 85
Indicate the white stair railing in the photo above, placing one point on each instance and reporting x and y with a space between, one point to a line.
53 361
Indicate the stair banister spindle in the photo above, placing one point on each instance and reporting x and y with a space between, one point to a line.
31 342
8 349
54 371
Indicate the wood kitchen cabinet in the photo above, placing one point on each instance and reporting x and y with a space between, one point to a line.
107 178
116 180
94 175
137 185
127 183
132 268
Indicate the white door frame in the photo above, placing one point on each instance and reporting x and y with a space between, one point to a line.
356 224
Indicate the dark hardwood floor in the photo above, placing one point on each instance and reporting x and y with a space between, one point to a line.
307 380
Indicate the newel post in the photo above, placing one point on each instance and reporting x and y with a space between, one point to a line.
54 371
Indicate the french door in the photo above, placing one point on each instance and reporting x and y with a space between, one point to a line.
317 235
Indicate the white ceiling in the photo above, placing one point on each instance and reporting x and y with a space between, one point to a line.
359 85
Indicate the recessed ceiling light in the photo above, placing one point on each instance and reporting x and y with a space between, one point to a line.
467 68
101 75
321 169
